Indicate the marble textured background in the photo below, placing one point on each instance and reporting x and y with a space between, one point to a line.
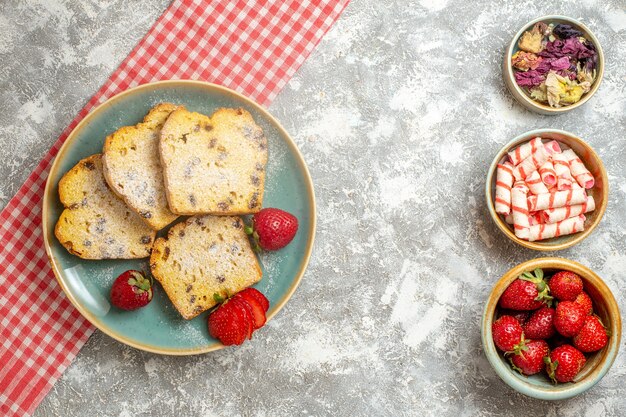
398 112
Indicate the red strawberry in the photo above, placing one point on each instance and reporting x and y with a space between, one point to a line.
530 360
521 316
584 300
237 318
228 324
131 290
258 295
564 363
592 336
508 334
248 313
273 228
565 285
569 318
540 324
528 292
256 308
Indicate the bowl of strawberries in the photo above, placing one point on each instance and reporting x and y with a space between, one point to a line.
551 328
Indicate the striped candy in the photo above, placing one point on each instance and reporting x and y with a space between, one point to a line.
565 227
523 151
535 185
531 163
561 166
556 199
563 184
554 215
579 170
519 208
504 182
548 174
553 147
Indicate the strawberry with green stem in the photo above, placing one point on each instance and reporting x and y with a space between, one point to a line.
508 335
131 290
237 317
564 363
530 360
528 292
272 229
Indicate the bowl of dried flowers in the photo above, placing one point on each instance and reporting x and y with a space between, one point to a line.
554 64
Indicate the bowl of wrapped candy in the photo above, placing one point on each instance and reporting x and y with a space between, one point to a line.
547 189
553 65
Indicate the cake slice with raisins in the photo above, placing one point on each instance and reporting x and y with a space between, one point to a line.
96 224
132 167
204 258
213 165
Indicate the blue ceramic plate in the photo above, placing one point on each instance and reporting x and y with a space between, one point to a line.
158 327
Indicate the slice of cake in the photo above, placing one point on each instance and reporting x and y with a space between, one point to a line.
213 165
204 257
132 167
96 224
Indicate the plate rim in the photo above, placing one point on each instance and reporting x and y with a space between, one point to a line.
111 101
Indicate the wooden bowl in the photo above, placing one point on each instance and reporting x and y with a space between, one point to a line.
600 191
519 94
598 363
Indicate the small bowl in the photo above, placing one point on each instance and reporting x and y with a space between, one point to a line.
600 191
521 96
598 363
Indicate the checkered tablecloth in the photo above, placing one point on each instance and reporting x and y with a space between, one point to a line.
251 46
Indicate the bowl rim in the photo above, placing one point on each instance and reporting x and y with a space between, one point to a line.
566 390
309 193
544 108
538 245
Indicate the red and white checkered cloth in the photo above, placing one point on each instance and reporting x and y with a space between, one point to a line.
251 46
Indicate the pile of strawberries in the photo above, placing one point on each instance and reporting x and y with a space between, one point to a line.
536 336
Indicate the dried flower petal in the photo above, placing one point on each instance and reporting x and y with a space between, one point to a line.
555 86
525 61
572 48
539 93
529 78
562 90
566 31
584 75
531 41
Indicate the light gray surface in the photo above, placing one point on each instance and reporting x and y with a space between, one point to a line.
398 112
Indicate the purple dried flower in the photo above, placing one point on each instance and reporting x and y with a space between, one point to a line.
529 78
571 47
566 31
575 48
552 49
560 64
556 64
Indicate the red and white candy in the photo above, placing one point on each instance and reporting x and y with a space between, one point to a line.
579 170
564 227
504 183
557 214
542 190
556 199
